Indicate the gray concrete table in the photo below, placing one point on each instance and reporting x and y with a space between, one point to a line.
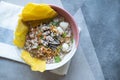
103 21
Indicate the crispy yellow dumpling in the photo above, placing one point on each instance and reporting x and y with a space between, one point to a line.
20 34
34 11
36 64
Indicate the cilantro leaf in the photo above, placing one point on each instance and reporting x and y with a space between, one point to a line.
64 34
57 59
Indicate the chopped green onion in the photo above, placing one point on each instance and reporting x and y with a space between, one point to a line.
41 36
55 23
38 47
59 48
64 35
72 39
57 59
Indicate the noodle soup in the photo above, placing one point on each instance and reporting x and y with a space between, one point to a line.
50 41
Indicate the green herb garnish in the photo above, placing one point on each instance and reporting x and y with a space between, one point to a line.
57 59
72 39
64 34
41 36
55 23
59 48
38 47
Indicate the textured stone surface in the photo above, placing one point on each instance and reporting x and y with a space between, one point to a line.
72 5
103 21
88 48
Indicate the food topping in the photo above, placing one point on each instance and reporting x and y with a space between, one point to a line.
49 40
